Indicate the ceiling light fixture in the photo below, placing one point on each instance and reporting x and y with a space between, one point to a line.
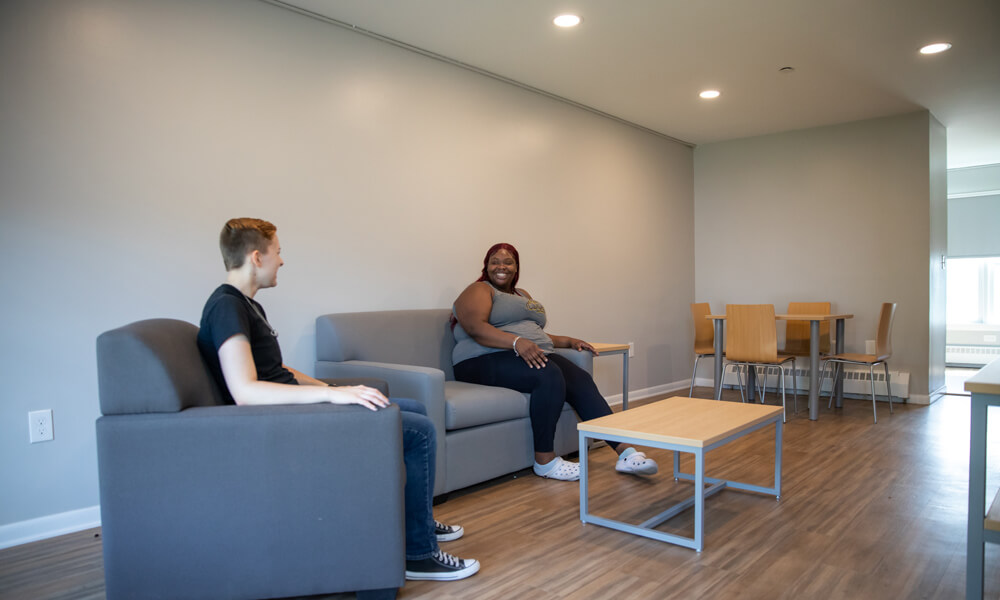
567 20
935 48
709 94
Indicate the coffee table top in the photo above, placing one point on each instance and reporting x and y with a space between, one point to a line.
692 422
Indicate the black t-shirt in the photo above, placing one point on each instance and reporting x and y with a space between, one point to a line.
227 313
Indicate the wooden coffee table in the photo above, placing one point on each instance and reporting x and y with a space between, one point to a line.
683 425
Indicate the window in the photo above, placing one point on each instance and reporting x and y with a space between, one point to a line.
974 291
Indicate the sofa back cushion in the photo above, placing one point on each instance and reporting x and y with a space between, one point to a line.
409 337
153 366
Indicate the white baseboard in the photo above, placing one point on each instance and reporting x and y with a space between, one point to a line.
656 390
912 399
49 526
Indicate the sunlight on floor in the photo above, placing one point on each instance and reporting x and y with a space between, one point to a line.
954 380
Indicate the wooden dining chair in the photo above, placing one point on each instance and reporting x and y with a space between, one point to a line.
704 336
797 332
752 341
883 351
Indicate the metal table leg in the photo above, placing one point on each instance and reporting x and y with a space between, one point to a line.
975 551
625 380
719 327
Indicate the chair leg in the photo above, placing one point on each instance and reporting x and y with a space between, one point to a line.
739 378
888 390
871 380
822 378
784 410
762 382
795 388
833 382
697 357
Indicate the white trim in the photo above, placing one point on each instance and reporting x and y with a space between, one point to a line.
50 526
974 194
634 395
911 399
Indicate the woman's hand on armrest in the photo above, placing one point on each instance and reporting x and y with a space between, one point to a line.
358 394
240 373
564 341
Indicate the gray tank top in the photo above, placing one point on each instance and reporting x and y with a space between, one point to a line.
511 313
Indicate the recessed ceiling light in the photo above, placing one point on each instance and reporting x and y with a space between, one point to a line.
567 20
935 48
709 94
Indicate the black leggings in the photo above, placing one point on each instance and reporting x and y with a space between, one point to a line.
559 381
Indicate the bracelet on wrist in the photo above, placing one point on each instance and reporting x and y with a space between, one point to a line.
514 346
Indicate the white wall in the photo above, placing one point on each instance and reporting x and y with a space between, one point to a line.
974 180
973 223
840 213
130 131
937 280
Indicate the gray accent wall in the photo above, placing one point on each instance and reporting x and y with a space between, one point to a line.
130 131
850 213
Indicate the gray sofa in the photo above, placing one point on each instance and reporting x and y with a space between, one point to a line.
483 431
203 500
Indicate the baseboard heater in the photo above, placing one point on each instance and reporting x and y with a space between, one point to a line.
856 381
970 355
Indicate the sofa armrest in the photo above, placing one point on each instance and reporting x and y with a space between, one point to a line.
584 360
373 382
251 501
423 384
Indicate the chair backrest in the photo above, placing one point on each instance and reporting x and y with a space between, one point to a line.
883 338
797 332
751 335
704 329
409 337
153 366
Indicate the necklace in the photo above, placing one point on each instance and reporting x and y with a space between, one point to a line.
257 312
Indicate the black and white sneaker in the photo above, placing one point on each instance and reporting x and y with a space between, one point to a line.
441 566
447 533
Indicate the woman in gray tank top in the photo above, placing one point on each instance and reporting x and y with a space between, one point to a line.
499 340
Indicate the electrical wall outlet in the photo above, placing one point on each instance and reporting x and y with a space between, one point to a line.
631 349
40 425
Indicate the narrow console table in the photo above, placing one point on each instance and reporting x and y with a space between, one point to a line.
623 349
983 527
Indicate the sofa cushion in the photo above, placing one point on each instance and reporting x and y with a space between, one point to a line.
471 404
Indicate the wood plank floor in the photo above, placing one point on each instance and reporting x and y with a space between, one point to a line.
867 511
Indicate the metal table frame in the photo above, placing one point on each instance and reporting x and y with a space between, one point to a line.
647 527
978 534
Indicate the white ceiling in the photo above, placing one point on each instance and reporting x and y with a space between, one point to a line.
645 61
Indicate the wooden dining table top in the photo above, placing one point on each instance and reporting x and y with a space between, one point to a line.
798 317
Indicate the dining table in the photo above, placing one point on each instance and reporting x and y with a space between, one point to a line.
814 322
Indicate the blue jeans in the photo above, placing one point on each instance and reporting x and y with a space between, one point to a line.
419 453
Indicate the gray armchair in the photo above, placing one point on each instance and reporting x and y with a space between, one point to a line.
483 431
203 500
